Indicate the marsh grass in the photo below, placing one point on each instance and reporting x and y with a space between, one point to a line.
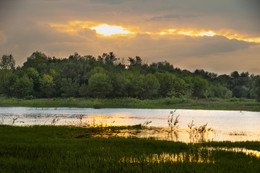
58 149
198 133
13 120
172 124
169 103
2 119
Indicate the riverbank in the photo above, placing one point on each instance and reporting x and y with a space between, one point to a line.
163 103
75 149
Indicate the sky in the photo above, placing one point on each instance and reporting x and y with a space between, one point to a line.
219 36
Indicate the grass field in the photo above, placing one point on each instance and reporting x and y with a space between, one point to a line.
163 103
74 149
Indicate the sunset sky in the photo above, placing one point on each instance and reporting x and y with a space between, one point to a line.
216 35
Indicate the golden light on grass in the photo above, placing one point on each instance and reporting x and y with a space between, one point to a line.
108 30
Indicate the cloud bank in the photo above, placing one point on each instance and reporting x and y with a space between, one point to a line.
160 30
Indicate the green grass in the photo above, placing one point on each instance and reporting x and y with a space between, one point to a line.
58 149
163 103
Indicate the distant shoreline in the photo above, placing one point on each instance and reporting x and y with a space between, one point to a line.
161 103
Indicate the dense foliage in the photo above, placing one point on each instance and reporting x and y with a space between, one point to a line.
109 77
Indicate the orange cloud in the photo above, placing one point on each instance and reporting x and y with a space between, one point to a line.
73 27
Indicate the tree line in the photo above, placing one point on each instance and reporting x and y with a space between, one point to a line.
110 77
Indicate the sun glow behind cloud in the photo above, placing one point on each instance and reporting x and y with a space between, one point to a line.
105 30
190 33
108 30
208 33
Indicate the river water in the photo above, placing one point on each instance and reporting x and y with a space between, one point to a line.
224 125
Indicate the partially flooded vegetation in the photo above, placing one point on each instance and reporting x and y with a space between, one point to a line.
54 141
162 124
71 149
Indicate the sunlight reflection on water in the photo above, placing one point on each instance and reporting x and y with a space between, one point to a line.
203 155
226 125
249 152
166 157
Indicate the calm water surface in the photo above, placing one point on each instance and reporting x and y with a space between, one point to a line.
226 125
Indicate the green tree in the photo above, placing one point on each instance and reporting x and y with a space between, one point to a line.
200 87
240 84
7 62
109 58
83 90
135 84
119 84
37 60
256 88
150 86
179 87
99 85
96 70
135 64
47 86
74 70
22 87
217 90
68 77
69 88
166 81
6 81
33 74
189 85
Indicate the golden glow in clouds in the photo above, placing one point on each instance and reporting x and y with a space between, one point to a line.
197 34
74 27
108 30
190 33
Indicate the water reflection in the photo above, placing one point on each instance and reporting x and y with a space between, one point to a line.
199 155
175 157
159 133
192 126
249 152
